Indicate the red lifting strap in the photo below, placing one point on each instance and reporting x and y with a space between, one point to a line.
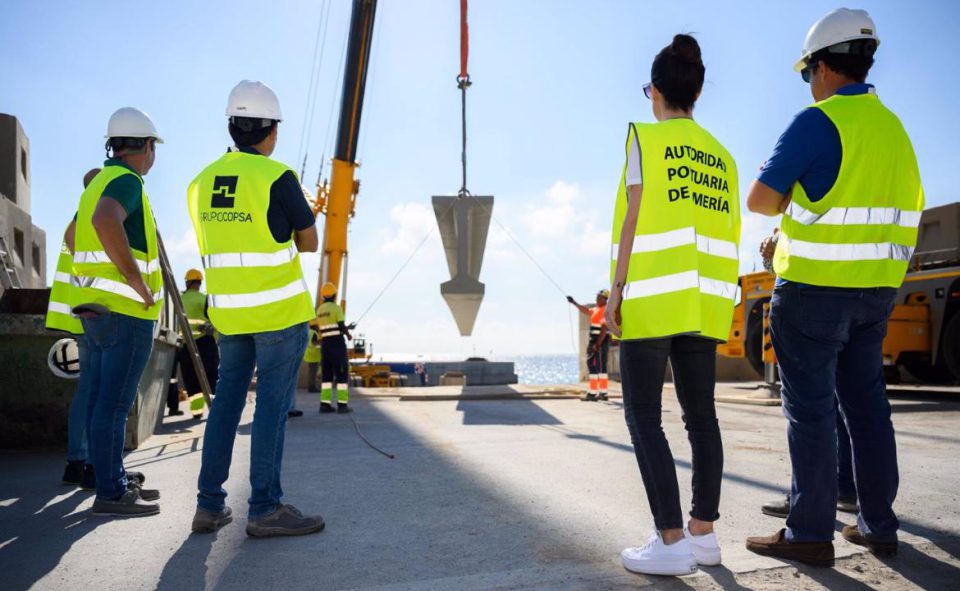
464 40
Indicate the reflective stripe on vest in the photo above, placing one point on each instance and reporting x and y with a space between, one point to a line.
98 280
682 275
681 237
101 257
329 330
862 233
254 284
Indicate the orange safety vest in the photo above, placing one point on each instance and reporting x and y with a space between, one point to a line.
597 320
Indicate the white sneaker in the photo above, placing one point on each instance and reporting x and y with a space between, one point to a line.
705 548
657 558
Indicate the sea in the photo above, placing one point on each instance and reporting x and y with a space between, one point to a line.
531 369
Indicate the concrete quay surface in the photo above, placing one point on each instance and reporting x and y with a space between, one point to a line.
483 494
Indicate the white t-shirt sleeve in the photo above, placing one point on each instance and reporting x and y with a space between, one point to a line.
634 172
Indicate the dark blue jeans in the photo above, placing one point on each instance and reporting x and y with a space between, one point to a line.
694 363
79 406
118 350
829 347
276 355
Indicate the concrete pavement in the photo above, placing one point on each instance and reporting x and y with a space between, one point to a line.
483 494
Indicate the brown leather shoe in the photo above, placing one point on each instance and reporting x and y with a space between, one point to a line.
851 533
777 546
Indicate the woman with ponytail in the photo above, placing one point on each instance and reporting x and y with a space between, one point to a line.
676 233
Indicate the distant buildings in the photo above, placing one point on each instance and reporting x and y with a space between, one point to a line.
25 242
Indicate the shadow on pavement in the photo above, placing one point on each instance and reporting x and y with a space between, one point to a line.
40 526
505 413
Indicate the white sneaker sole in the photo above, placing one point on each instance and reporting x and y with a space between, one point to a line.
706 556
671 567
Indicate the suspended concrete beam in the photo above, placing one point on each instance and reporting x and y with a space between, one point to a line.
463 223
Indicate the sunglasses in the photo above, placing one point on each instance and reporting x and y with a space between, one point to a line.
646 89
807 72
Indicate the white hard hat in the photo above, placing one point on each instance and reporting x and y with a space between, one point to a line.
131 122
254 99
840 26
64 359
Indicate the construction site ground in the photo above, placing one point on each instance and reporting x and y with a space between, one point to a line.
501 488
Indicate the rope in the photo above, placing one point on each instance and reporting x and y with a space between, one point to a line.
463 82
312 90
404 265
367 441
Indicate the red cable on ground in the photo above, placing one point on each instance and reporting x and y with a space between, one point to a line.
464 40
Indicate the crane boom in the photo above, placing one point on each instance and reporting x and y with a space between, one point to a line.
336 201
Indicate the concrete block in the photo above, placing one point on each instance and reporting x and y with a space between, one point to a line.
463 223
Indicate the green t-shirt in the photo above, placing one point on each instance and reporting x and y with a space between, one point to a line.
127 190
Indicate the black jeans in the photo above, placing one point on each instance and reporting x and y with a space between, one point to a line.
642 367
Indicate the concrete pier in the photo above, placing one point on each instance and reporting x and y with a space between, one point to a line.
521 493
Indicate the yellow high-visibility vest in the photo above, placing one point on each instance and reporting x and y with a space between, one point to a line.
100 282
254 284
682 277
63 296
863 231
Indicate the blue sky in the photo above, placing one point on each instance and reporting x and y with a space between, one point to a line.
555 84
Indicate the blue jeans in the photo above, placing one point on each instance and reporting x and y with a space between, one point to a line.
119 348
77 419
829 344
276 355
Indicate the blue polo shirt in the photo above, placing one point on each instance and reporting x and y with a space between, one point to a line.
808 152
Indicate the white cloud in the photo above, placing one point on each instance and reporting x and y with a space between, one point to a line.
413 221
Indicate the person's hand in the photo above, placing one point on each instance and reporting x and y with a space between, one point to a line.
137 284
349 337
769 245
351 326
570 300
612 314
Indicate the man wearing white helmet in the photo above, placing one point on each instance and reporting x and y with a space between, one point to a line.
118 300
251 221
845 177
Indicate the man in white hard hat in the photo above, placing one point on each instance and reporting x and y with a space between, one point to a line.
845 177
251 221
118 300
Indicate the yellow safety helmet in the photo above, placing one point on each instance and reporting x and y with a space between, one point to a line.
605 293
328 290
194 275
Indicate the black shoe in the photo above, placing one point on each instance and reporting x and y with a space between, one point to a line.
342 408
175 413
780 508
326 407
129 505
603 396
589 397
296 412
89 480
73 473
147 494
848 504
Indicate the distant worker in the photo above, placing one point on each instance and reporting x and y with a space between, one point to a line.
676 232
598 345
195 307
845 177
60 317
118 272
251 221
334 364
311 356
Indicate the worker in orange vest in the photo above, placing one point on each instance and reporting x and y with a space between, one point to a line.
597 347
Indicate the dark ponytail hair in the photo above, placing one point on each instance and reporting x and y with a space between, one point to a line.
678 71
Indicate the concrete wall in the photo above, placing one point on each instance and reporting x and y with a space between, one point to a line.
14 162
26 242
